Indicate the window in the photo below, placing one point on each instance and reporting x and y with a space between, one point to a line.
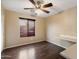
27 27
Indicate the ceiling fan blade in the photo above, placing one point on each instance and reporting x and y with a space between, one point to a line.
28 8
45 11
38 2
48 5
32 1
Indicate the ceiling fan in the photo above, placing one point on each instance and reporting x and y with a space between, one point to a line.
38 6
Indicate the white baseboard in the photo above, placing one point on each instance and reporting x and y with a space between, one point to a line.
56 44
22 44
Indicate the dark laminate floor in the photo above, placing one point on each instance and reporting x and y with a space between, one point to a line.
41 50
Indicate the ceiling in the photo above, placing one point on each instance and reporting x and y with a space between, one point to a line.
19 5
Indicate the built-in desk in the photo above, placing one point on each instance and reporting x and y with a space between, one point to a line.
70 53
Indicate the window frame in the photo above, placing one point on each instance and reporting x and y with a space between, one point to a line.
28 31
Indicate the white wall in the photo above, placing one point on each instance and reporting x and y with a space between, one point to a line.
50 28
13 30
62 24
2 29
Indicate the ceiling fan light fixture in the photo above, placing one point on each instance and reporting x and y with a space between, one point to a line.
40 1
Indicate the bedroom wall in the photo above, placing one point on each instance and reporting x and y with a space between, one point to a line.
50 28
62 24
13 30
2 29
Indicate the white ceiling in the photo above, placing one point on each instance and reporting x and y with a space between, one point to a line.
18 5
